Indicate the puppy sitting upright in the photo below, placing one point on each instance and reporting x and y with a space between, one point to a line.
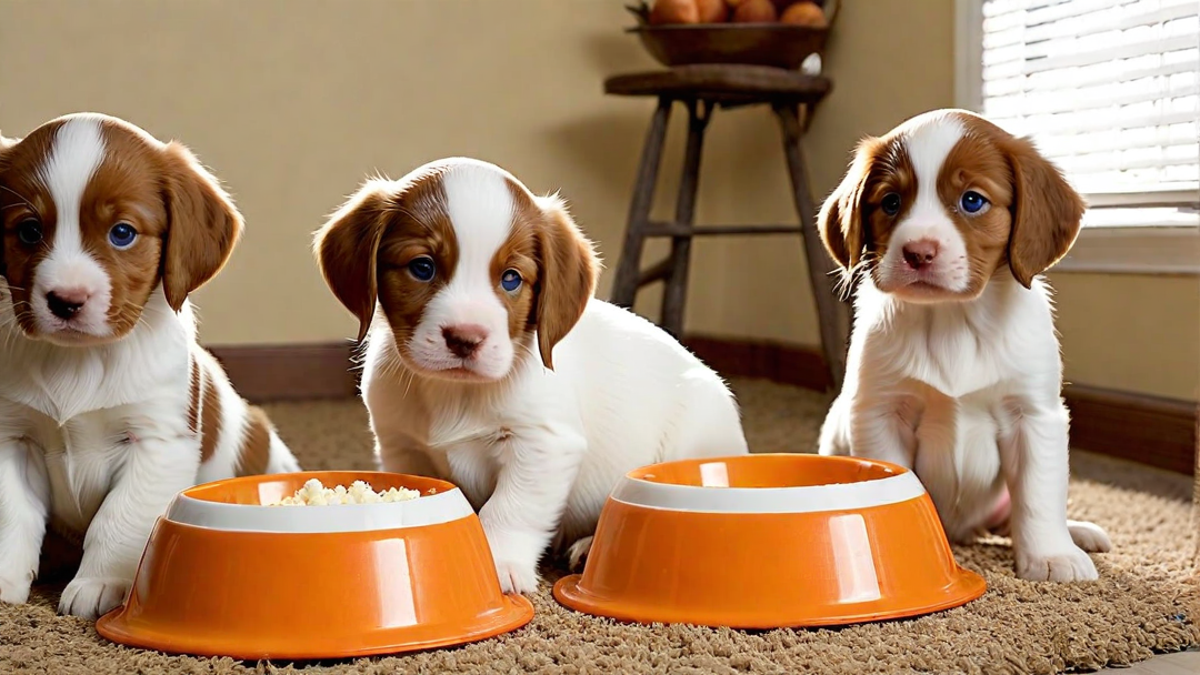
108 406
490 364
954 367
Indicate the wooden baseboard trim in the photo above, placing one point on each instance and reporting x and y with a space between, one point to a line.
289 372
1150 430
785 364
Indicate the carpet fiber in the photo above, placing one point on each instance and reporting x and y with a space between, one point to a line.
1145 602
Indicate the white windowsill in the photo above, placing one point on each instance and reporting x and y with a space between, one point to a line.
1135 250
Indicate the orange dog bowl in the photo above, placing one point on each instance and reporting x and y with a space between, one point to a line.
225 575
769 541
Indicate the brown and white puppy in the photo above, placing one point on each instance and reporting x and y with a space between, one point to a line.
490 364
954 369
108 405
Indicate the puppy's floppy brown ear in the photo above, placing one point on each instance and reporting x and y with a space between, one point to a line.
1046 213
347 247
840 221
203 225
567 271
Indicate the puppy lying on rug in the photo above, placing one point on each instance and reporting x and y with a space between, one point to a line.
108 405
490 364
954 369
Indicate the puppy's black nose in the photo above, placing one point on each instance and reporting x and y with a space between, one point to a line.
463 341
65 305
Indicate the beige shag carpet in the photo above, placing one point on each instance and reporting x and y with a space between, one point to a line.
1147 601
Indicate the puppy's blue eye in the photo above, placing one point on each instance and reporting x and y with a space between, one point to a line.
972 201
890 203
29 231
422 268
122 236
510 280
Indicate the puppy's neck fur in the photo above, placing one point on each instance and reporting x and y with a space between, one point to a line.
63 382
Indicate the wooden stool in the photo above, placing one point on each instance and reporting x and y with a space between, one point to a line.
701 88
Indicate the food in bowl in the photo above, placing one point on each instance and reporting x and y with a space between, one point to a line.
314 493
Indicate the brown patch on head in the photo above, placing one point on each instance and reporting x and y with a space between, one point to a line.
185 224
366 248
126 188
853 223
520 253
977 164
417 227
254 455
23 197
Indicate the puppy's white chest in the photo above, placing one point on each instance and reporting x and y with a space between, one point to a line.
470 448
952 358
81 459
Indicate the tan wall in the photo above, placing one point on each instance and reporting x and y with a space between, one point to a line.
292 102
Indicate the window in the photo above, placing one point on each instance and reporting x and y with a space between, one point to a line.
1109 90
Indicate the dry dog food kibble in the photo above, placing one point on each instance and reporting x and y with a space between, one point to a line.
315 494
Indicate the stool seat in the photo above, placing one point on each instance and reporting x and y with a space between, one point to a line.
724 84
703 88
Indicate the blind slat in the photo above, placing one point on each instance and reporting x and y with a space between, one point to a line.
1111 53
1109 74
1100 98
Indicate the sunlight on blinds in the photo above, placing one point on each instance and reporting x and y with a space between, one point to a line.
1109 89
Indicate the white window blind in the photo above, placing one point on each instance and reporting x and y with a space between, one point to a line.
1109 90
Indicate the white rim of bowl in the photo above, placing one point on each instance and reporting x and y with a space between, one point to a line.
443 507
866 494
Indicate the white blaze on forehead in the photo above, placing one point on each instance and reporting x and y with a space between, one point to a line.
480 206
929 141
75 155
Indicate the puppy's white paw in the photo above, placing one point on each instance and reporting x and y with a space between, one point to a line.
517 577
1089 536
91 598
15 591
577 554
1071 564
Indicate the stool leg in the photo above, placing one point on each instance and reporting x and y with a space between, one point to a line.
625 285
675 293
833 314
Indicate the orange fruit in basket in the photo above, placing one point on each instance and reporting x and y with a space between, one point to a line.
804 13
755 11
712 11
674 11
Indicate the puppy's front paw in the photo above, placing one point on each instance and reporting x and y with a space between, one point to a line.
517 577
1089 536
516 554
91 598
1070 564
15 591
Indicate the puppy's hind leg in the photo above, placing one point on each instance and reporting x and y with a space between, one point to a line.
577 554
